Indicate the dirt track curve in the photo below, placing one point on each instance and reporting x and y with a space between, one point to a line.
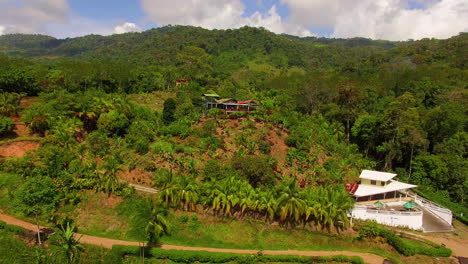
108 243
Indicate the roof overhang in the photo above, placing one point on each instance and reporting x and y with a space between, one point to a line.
376 175
366 190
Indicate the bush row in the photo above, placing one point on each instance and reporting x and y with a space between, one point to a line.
404 247
11 228
181 256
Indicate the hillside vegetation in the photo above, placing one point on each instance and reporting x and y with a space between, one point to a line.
108 112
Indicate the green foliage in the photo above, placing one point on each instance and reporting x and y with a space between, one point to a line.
37 195
403 246
15 251
147 219
345 104
257 170
168 115
178 128
213 257
64 237
6 125
162 147
113 123
9 103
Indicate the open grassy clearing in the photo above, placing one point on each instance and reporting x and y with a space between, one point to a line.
100 215
154 100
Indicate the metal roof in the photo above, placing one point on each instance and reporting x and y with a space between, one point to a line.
376 175
366 190
224 100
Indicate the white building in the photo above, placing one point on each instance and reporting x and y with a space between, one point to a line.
380 198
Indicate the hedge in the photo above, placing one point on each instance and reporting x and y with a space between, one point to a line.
182 256
403 247
11 228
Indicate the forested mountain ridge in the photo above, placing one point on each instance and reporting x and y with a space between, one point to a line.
401 105
169 39
212 41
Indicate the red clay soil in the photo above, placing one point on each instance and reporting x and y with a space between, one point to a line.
27 101
19 127
17 149
136 176
108 243
279 149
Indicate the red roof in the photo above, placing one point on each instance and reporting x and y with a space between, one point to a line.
352 188
245 102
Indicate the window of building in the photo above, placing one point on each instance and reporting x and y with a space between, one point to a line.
382 183
373 182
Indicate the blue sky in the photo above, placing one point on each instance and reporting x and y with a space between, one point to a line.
377 19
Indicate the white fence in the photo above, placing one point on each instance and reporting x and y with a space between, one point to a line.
392 218
438 210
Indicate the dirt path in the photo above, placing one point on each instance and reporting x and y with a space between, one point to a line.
108 243
18 148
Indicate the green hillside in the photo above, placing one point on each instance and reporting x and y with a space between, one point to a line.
105 112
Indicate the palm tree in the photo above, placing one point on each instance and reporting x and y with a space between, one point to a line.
266 204
157 223
109 177
188 193
66 238
290 207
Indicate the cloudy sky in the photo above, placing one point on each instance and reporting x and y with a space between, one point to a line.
377 19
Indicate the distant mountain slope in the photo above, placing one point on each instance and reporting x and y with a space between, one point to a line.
169 40
161 45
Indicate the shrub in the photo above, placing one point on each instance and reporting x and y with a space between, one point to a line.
208 129
211 143
177 129
184 219
169 111
257 170
264 147
142 145
39 125
404 247
215 171
6 125
14 229
162 147
180 256
98 143
22 166
113 123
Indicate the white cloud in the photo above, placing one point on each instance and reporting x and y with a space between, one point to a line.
126 27
79 26
220 14
30 16
383 19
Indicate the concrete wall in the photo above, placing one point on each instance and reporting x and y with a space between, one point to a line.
408 219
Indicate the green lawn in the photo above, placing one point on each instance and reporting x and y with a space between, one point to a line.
154 100
99 215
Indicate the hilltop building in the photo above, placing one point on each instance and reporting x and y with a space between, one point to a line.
230 105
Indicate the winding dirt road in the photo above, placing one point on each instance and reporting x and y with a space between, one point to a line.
108 243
